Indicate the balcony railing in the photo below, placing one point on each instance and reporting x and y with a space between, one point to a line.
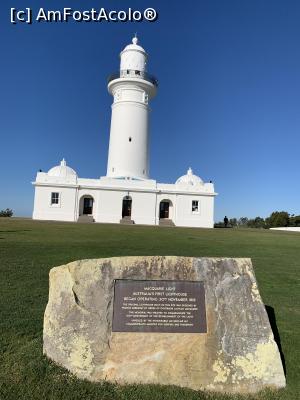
130 73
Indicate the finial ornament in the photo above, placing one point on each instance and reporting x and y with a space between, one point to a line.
190 171
135 39
63 162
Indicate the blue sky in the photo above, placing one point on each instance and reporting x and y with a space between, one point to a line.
228 100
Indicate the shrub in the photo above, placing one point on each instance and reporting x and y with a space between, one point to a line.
6 213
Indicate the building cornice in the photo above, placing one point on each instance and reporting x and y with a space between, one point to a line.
126 189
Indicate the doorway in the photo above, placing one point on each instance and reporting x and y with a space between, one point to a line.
87 206
126 206
164 209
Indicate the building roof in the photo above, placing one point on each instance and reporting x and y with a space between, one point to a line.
189 179
62 170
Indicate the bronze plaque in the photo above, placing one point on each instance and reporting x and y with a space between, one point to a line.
159 306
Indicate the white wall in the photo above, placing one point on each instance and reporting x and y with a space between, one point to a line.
184 215
107 206
143 208
64 211
110 204
129 121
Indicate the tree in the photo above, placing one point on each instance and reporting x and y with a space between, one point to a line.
294 220
233 222
257 222
278 218
6 213
243 221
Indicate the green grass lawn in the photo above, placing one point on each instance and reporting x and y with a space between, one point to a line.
28 249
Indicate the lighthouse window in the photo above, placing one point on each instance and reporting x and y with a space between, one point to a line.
195 206
130 139
54 198
146 98
137 72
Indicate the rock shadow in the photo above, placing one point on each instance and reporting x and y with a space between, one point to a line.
272 319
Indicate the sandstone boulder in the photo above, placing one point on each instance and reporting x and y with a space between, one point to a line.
236 354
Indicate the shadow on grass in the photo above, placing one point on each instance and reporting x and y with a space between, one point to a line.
17 231
272 320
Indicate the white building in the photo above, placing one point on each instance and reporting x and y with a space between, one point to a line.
126 194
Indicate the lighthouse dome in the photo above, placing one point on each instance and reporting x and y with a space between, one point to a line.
134 46
62 170
133 57
189 179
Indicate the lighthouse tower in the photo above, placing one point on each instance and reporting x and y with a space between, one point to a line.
132 88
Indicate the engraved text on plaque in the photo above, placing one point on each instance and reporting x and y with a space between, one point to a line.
159 306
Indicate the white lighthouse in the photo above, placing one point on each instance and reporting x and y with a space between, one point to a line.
132 88
126 194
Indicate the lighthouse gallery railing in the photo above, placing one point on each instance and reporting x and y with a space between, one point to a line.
130 73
